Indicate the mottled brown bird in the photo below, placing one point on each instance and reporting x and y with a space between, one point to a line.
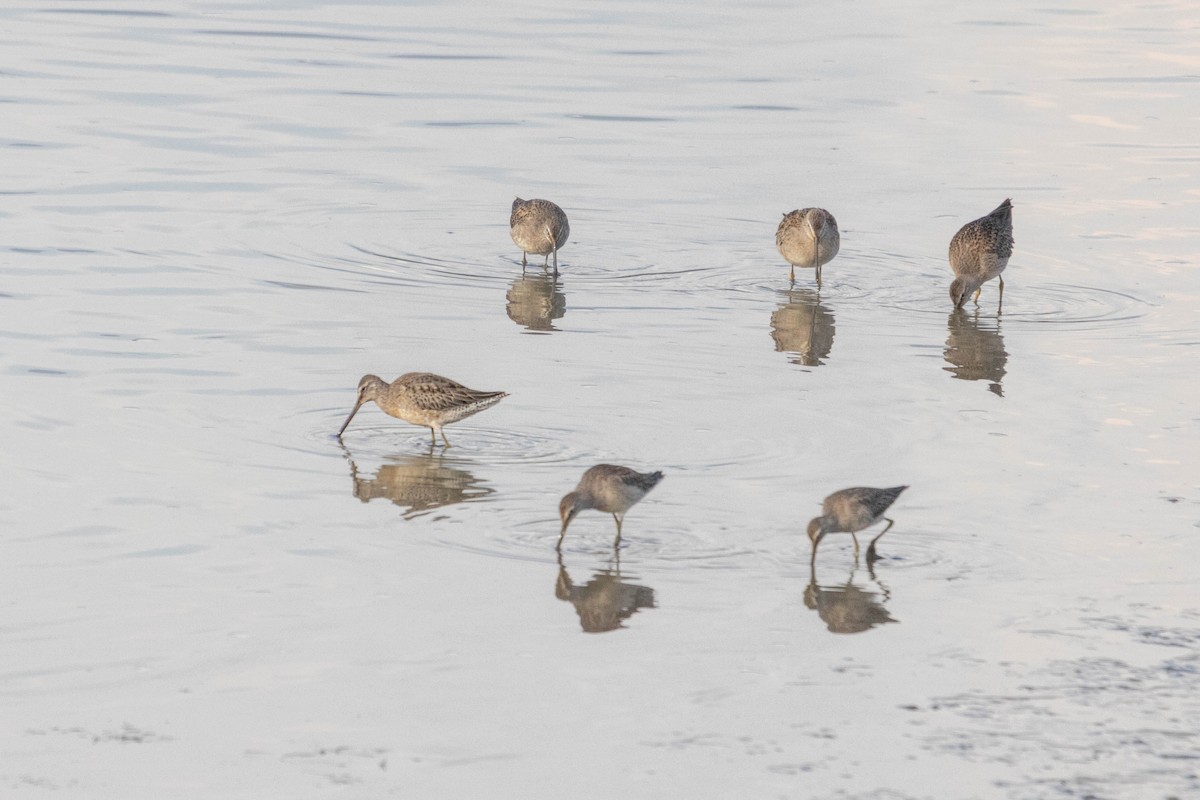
979 252
539 227
808 237
423 398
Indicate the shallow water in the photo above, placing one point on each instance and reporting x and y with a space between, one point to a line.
216 218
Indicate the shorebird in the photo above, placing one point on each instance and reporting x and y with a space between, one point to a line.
808 237
423 398
539 227
980 252
850 511
609 488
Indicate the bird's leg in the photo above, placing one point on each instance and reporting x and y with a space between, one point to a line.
1000 305
556 257
432 438
793 274
617 542
818 276
872 556
444 439
524 261
978 292
855 538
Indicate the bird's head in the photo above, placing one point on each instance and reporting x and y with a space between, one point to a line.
816 531
370 387
568 507
958 292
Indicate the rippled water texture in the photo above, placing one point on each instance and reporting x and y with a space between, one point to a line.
216 217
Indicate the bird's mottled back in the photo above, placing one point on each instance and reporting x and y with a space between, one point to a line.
538 226
642 480
872 502
431 392
992 234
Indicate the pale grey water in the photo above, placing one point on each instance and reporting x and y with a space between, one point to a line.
215 217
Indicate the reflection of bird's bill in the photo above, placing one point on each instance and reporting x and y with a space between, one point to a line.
346 424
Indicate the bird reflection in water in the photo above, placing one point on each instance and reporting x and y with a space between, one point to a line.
803 326
535 301
605 601
975 349
847 607
418 483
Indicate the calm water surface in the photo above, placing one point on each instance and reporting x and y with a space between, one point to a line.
216 217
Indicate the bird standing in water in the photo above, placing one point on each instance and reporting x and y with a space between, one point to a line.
850 511
423 398
979 252
539 227
609 488
808 237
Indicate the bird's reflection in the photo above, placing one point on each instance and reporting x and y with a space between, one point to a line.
606 600
803 326
418 483
847 607
535 301
975 349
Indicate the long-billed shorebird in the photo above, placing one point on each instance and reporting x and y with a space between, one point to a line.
608 488
808 237
539 227
979 252
850 511
423 398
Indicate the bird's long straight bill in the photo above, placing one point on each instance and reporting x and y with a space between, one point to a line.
346 424
563 533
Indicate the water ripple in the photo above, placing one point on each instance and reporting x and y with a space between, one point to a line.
482 445
1070 306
